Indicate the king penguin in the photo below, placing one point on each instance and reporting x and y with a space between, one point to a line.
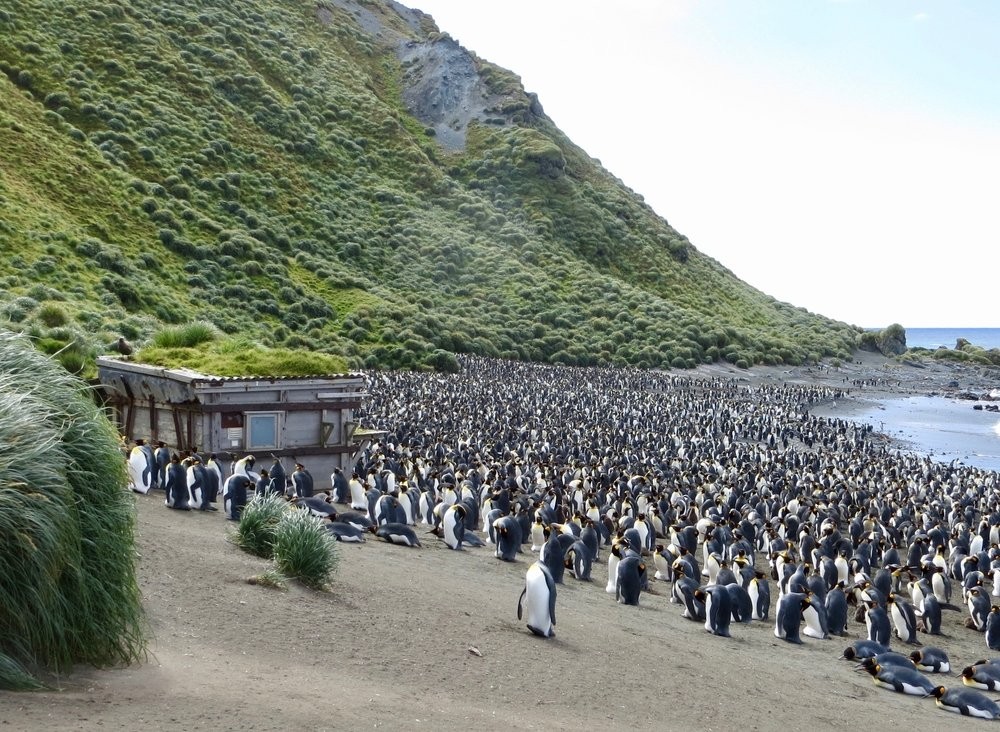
877 620
968 702
931 658
629 583
814 616
979 609
898 678
836 610
507 533
538 601
718 609
904 620
993 629
453 528
760 596
788 616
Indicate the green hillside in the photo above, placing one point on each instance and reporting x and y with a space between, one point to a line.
308 176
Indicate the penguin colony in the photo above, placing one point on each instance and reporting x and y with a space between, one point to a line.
727 493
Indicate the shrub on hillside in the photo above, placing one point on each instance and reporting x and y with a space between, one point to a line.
188 335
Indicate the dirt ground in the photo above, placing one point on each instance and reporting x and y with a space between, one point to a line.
429 639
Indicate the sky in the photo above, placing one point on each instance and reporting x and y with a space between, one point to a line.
839 155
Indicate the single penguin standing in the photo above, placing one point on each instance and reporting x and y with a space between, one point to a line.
877 621
993 629
302 481
814 616
718 609
904 620
161 456
930 620
537 533
276 478
788 616
197 483
359 501
213 473
631 571
453 526
760 596
979 609
578 560
836 610
263 487
140 468
341 489
507 533
234 496
176 485
538 601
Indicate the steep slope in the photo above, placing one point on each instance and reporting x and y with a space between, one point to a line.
338 176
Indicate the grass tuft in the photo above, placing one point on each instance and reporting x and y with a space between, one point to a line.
255 533
270 578
305 550
188 335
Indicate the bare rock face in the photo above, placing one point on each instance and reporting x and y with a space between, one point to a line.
891 343
442 88
443 85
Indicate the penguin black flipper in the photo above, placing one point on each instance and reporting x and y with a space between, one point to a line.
520 601
552 600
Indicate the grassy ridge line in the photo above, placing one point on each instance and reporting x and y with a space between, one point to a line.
252 165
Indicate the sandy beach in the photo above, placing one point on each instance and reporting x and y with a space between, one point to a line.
429 639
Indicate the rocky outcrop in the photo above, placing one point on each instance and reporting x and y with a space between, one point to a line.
445 86
442 88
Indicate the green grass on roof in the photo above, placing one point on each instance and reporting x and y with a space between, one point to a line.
237 357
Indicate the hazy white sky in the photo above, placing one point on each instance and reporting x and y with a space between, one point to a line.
840 155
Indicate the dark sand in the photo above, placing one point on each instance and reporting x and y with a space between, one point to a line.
391 644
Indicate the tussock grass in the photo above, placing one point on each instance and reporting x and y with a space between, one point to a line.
305 550
188 335
67 558
255 532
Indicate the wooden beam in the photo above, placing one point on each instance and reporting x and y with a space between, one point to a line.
177 429
279 406
129 411
302 451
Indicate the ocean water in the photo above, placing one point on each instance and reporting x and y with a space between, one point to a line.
936 337
943 428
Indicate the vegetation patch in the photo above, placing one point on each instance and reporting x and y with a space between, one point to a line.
67 554
252 168
305 550
255 533
241 357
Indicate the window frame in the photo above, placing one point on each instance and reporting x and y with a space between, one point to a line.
248 434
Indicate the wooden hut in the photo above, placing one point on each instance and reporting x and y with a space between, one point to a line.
307 419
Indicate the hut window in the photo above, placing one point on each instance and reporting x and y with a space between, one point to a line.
262 430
